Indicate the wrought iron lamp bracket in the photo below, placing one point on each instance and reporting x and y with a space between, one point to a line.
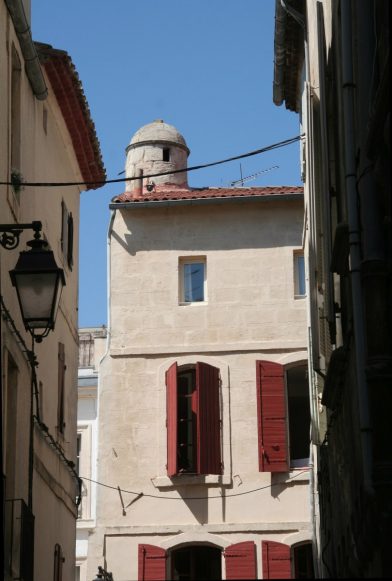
10 236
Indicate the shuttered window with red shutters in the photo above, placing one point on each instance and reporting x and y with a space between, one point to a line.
151 563
241 561
203 436
272 420
276 560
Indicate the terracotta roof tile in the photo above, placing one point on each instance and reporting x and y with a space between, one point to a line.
68 90
173 192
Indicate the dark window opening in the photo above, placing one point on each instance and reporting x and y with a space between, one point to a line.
299 415
67 235
58 563
78 449
186 418
303 562
193 424
198 562
15 111
166 154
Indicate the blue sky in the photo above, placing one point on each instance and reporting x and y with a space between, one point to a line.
204 66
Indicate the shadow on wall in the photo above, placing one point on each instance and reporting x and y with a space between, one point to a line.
256 225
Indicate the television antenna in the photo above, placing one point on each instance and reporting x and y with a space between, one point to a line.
251 177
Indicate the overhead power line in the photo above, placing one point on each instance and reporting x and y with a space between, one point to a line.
284 143
182 498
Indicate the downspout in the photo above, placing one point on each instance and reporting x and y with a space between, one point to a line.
32 64
108 338
108 285
354 244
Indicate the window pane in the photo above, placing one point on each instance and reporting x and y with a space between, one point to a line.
300 261
193 282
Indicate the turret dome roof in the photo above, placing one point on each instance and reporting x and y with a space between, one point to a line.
158 131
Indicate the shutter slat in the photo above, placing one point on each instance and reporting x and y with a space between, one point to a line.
241 561
276 560
271 414
171 415
208 426
151 563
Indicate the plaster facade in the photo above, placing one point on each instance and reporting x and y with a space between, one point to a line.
92 343
332 67
39 421
249 312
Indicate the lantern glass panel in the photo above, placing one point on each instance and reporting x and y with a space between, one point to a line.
37 295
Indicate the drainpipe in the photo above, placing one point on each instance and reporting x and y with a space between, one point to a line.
109 273
32 64
354 244
108 337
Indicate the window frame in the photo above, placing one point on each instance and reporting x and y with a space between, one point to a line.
275 451
67 235
297 255
160 479
182 262
206 409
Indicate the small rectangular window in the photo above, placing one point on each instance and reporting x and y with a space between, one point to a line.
192 280
67 235
166 154
299 275
45 120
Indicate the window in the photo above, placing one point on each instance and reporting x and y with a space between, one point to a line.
299 275
58 563
193 420
192 280
196 562
45 120
61 367
303 561
15 111
298 416
283 417
67 235
166 154
78 448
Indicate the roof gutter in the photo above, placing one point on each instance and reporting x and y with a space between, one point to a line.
32 64
279 53
203 201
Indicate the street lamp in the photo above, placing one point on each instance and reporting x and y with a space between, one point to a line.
38 282
103 575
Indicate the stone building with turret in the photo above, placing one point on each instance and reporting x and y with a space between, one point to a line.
203 410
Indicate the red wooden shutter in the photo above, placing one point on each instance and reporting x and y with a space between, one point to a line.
276 560
241 561
208 425
272 421
171 419
151 563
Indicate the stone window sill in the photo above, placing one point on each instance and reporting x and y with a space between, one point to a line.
191 480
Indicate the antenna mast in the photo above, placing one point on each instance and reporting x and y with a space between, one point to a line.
251 177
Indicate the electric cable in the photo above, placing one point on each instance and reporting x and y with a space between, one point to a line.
22 183
193 497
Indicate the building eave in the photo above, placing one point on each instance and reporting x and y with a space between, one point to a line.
68 91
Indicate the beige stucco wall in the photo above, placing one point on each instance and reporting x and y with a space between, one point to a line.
250 314
45 156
